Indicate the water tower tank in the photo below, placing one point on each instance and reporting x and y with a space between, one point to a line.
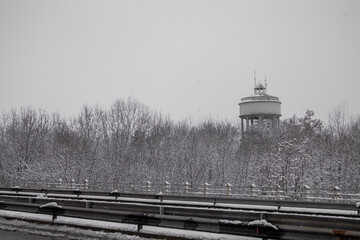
259 108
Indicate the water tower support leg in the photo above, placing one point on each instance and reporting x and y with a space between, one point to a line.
242 125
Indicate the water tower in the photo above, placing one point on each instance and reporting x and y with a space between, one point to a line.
259 108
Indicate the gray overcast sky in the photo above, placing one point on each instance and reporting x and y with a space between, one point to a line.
183 58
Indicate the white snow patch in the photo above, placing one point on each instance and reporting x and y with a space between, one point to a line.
50 205
59 231
236 222
262 223
188 234
41 195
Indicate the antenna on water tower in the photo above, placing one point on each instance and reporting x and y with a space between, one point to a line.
254 81
265 85
265 82
254 77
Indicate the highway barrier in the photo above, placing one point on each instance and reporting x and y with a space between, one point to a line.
260 223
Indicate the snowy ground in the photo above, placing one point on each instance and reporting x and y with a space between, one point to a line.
60 231
13 235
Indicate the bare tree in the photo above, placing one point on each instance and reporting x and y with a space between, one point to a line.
26 134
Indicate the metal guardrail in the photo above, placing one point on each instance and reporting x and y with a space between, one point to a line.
162 207
156 220
214 200
284 226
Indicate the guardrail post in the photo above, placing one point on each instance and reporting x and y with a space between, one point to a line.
306 192
46 184
277 192
336 192
114 185
86 184
161 210
72 181
205 188
139 227
131 187
148 186
167 187
228 189
59 183
252 187
186 187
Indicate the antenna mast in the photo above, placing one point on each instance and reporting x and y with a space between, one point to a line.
265 85
265 82
254 81
254 78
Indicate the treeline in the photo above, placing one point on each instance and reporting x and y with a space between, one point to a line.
130 143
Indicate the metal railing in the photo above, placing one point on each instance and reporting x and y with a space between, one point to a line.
246 223
304 193
250 191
